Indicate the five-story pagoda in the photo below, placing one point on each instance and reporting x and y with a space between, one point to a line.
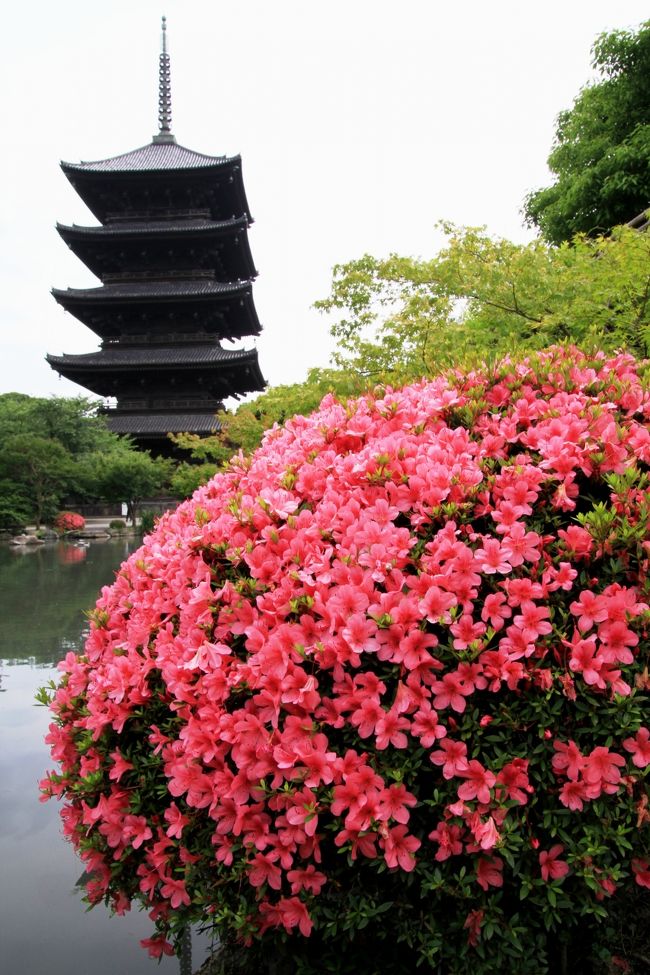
172 254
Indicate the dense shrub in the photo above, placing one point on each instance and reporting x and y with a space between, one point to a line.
147 522
376 696
69 521
117 525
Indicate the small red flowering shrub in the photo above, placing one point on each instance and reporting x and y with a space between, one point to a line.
383 686
69 521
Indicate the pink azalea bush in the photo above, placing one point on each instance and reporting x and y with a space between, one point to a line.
69 521
382 687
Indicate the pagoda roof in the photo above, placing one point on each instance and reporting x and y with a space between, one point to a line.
123 185
146 290
227 372
152 357
156 157
159 424
148 228
222 246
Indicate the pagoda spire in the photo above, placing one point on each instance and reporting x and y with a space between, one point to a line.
164 91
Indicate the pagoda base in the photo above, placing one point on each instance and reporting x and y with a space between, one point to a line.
149 430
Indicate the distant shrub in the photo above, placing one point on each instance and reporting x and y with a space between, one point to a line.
69 521
147 522
117 525
377 696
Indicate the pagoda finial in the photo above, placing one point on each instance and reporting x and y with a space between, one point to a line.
164 92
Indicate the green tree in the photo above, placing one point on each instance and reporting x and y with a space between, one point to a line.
130 477
37 472
481 298
15 507
601 155
187 477
76 422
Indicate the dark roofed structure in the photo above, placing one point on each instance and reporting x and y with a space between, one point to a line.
641 221
176 274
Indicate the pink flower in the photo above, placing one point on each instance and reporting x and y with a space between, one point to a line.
602 769
436 604
426 726
577 540
264 870
589 608
551 867
496 610
399 848
533 621
157 946
514 779
489 872
520 546
452 755
485 833
584 660
289 913
390 730
568 759
120 766
177 821
175 891
641 870
574 793
466 631
478 784
473 923
448 836
393 803
617 639
451 691
308 879
640 748
493 557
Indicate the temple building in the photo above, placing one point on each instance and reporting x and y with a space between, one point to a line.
176 275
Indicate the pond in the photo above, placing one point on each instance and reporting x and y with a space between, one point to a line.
44 926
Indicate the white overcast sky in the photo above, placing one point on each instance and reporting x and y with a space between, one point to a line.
360 124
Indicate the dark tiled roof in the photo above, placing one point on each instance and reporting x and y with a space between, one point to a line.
152 289
128 358
128 228
163 423
152 158
641 221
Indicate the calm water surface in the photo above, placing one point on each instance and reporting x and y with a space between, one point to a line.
44 927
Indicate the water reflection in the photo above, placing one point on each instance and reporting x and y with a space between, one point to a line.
43 924
43 592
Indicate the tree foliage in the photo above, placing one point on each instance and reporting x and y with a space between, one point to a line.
74 422
480 298
130 477
601 155
56 448
37 472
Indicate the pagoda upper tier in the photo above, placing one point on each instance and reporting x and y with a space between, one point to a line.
131 308
176 274
154 247
161 180
166 372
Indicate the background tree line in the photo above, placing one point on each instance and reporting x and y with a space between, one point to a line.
57 449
